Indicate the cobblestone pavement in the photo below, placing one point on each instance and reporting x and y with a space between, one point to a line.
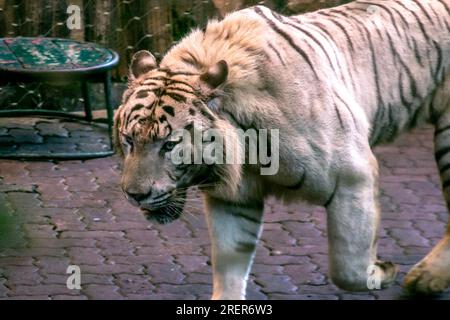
53 215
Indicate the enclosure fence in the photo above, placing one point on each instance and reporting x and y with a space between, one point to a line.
123 25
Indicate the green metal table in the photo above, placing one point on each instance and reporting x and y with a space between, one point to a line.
55 60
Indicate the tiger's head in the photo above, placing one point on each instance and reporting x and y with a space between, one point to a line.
159 106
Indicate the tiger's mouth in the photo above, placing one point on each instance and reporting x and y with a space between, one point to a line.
166 213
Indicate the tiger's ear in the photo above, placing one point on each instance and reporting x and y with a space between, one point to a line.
142 62
216 75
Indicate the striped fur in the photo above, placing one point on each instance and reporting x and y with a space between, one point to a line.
335 82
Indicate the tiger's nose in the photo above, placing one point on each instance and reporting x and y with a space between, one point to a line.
138 197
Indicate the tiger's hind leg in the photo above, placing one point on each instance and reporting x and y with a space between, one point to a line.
432 274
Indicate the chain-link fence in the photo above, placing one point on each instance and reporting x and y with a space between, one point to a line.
123 25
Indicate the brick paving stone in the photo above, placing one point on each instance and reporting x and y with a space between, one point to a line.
95 278
25 136
67 297
111 269
51 129
115 247
52 265
41 289
133 284
30 297
165 274
184 288
144 260
92 234
21 275
271 283
85 256
102 292
73 212
191 263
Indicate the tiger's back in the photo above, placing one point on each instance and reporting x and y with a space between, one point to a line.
391 58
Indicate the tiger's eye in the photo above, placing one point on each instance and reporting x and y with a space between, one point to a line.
170 145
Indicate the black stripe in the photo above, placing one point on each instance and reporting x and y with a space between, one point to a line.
287 38
173 81
440 153
245 247
204 110
405 22
425 12
403 99
375 70
142 94
169 110
162 119
372 51
394 52
391 15
189 126
178 73
169 127
330 199
176 97
378 125
404 65
340 26
339 116
445 6
207 115
392 125
447 25
277 53
171 176
419 22
151 83
439 131
444 168
379 116
348 108
159 78
417 54
300 183
324 30
172 89
249 206
437 16
439 61
250 233
446 184
311 36
135 108
244 216
414 118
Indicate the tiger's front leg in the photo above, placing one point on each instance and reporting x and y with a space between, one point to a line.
234 231
353 220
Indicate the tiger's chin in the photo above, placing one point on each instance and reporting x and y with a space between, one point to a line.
165 214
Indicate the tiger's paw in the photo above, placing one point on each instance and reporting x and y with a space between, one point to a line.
426 279
390 271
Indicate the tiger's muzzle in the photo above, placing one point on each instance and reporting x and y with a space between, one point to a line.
163 208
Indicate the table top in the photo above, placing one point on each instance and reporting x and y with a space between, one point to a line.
38 56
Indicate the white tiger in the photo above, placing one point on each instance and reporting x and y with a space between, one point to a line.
335 82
